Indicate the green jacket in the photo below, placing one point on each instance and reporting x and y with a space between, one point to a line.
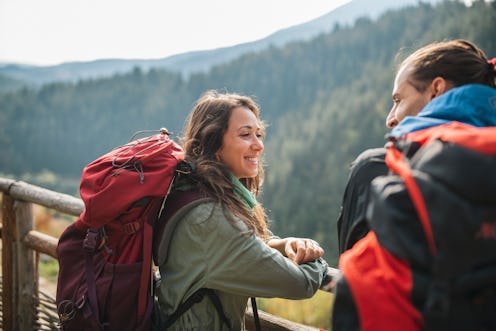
208 251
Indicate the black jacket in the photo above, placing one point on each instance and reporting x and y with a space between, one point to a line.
352 225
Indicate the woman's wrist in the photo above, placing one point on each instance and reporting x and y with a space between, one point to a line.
278 244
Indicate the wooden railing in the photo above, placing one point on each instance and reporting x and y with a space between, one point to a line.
21 248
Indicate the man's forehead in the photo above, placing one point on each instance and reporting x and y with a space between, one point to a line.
401 77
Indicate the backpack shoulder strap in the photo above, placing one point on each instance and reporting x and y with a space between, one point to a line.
178 203
196 298
398 164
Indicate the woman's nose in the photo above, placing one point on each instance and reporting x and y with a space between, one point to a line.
258 144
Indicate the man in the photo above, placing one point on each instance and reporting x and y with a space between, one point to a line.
390 279
424 75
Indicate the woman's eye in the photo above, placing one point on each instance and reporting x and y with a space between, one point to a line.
247 135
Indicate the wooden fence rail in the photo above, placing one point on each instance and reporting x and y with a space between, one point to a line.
21 247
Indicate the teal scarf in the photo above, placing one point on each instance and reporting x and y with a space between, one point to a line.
242 192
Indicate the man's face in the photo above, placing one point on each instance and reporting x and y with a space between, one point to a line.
407 100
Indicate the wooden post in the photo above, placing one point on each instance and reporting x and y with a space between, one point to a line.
27 268
9 268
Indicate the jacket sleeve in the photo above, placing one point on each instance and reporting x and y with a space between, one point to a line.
241 263
352 225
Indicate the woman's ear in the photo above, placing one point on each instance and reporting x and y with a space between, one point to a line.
218 156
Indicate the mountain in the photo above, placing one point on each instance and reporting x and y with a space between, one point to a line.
324 101
201 61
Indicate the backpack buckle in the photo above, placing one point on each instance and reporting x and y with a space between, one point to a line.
132 227
185 168
90 243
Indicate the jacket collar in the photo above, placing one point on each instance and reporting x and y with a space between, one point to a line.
471 104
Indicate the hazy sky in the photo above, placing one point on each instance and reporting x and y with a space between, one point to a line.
47 32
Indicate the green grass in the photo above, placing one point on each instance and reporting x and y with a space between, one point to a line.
49 269
314 312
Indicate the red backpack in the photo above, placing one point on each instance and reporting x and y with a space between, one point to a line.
105 257
429 261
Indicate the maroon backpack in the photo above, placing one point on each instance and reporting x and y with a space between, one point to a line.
105 257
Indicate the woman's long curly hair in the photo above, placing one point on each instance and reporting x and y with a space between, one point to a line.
203 137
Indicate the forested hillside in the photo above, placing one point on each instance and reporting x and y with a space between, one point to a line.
196 61
325 100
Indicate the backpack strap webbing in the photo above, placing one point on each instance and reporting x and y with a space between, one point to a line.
90 246
255 314
178 203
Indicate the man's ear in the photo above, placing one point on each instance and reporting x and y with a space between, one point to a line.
438 86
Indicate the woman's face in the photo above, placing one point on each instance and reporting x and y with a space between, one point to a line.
242 143
407 100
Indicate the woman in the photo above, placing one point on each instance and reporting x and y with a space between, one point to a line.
224 244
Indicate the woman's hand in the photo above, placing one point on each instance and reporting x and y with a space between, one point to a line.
299 250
